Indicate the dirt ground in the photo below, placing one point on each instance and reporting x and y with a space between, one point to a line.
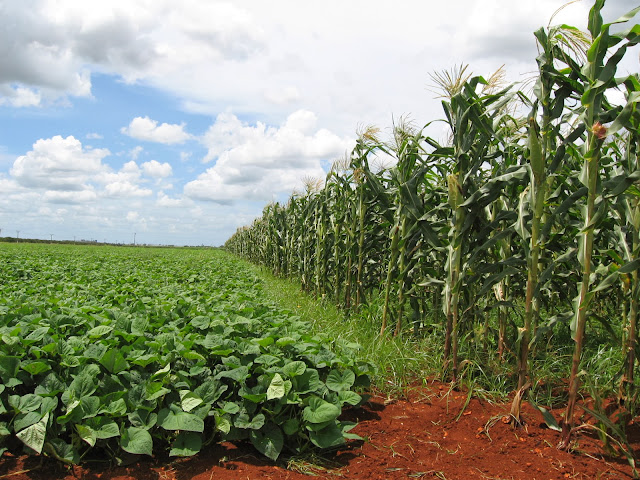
414 438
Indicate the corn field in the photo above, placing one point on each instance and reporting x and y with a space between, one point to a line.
519 233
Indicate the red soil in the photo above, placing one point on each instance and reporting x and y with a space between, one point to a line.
414 438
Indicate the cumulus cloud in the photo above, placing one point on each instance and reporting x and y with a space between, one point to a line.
144 128
58 163
66 172
50 46
164 200
124 183
81 197
19 96
156 169
258 162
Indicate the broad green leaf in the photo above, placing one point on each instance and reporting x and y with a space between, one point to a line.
186 444
143 419
35 368
117 408
114 361
8 367
339 382
210 390
50 385
189 400
34 435
349 397
291 426
307 382
25 403
97 428
320 411
24 420
294 369
180 421
201 322
137 441
155 390
330 436
268 441
37 335
243 421
62 451
238 374
276 388
99 331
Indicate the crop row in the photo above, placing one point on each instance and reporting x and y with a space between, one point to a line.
515 239
127 351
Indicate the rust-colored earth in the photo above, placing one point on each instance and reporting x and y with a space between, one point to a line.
418 437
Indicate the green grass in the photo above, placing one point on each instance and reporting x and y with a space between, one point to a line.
401 361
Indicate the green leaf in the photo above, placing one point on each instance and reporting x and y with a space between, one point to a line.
35 368
186 444
349 397
8 367
320 411
210 390
50 385
230 407
201 322
294 369
155 390
189 400
37 335
137 441
24 420
25 403
330 436
269 441
87 434
276 388
114 361
243 421
339 382
180 421
114 409
62 451
34 436
308 382
99 331
143 419
291 426
97 428
238 374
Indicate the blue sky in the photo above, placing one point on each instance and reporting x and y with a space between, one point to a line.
179 121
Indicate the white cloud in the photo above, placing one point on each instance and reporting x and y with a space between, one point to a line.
94 136
125 183
259 162
164 200
19 96
126 189
156 169
135 152
58 164
144 128
81 198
